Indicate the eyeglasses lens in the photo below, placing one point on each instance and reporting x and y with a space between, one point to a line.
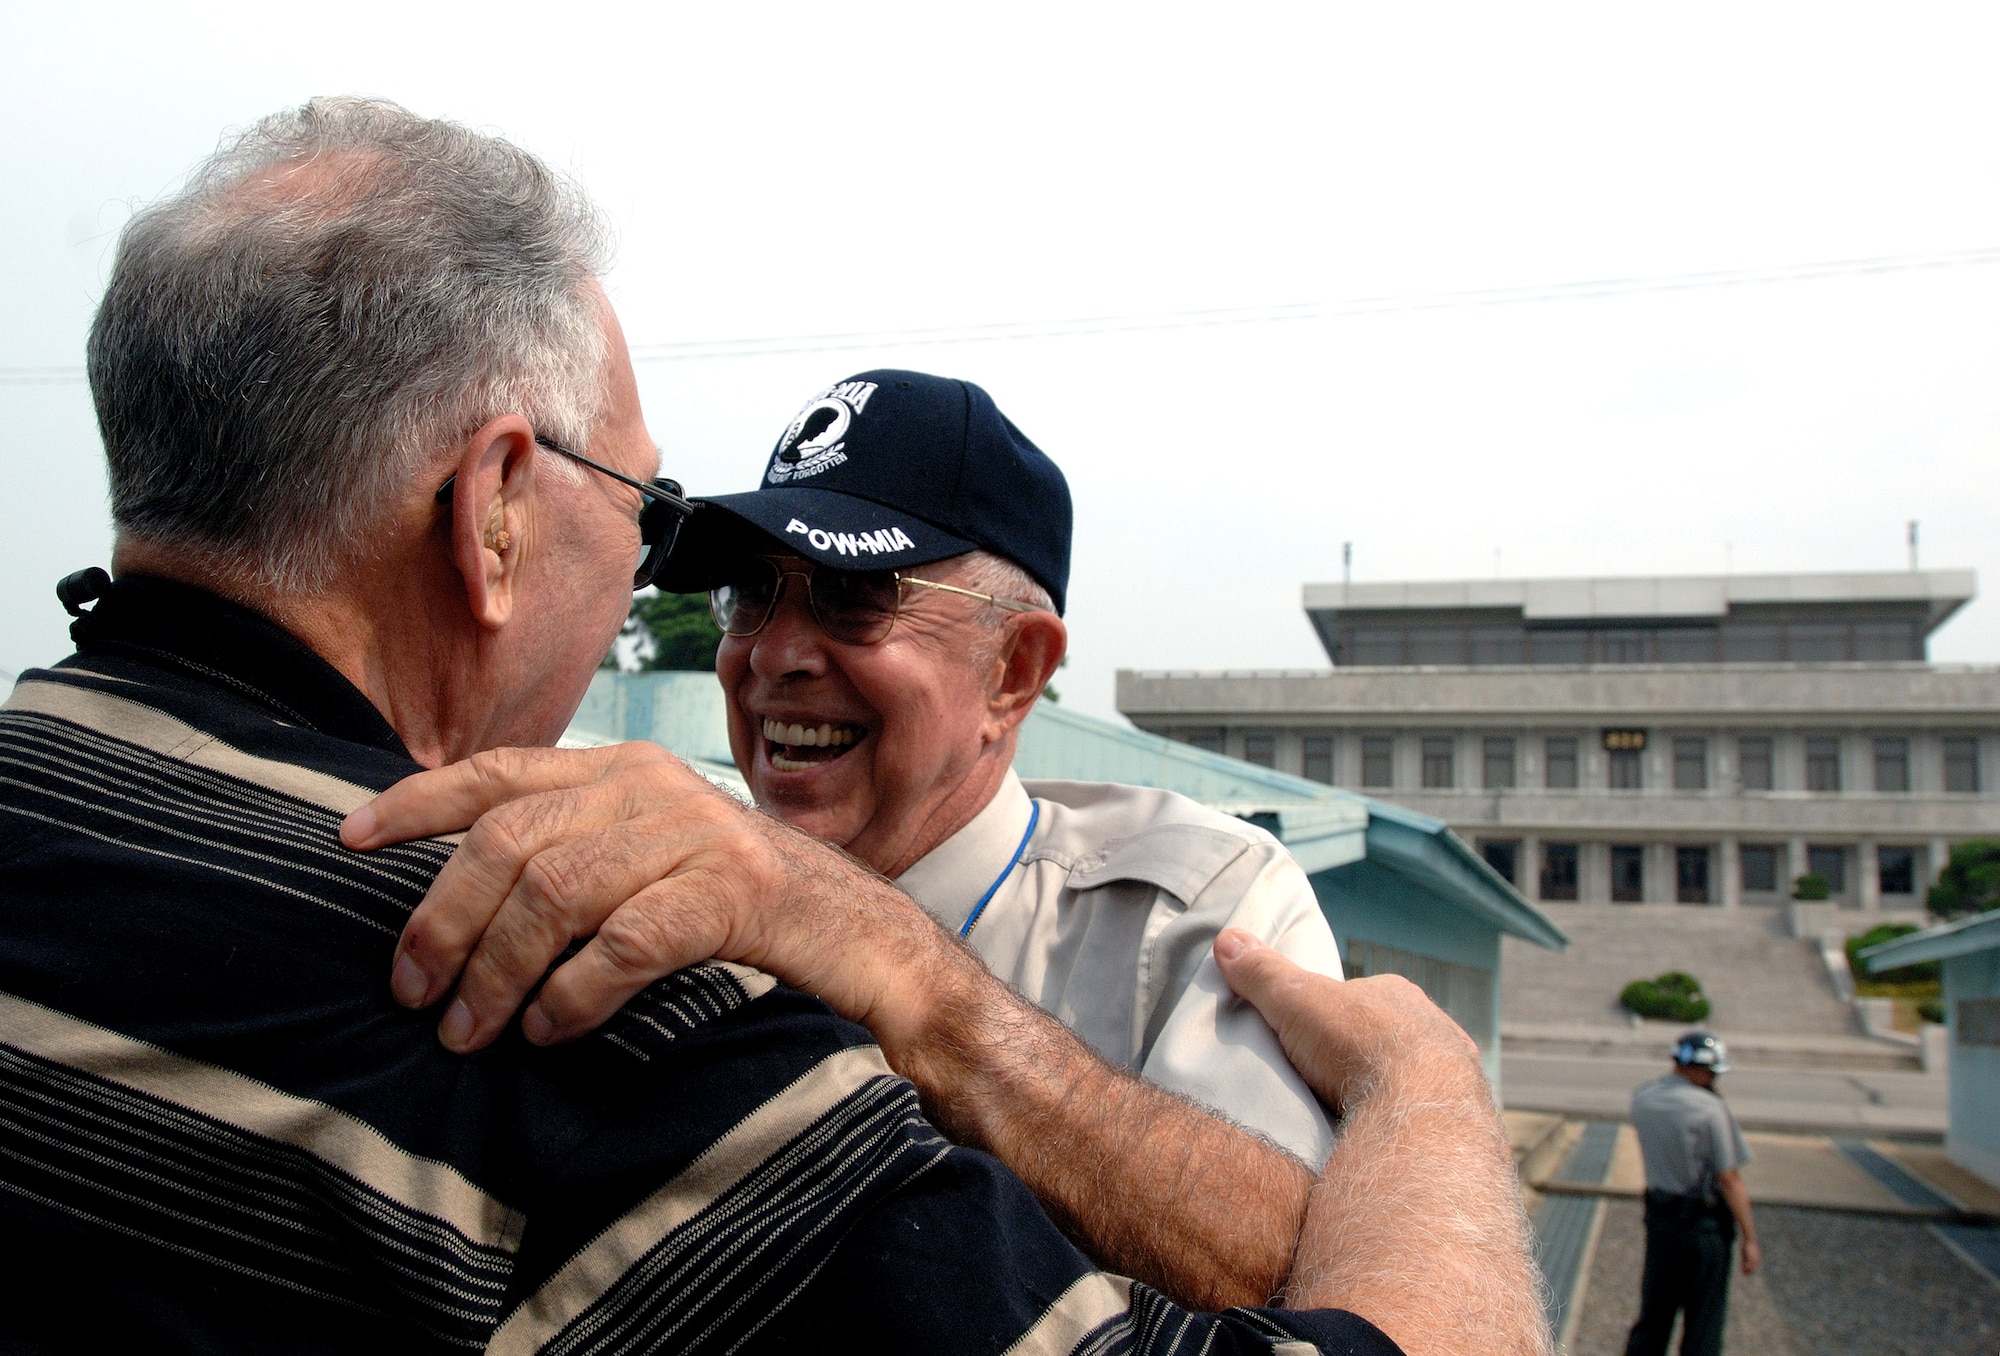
853 607
659 526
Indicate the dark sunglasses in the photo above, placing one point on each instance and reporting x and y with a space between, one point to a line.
854 607
659 521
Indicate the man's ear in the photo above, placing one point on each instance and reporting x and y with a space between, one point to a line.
492 509
1030 652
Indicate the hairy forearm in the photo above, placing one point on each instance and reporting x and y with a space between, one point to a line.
1152 1186
1416 1221
1149 1185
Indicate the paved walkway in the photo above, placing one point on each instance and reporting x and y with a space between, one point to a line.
1861 1101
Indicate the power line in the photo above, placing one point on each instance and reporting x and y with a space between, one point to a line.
1006 331
1259 315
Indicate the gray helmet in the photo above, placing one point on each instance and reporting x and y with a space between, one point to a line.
1702 1050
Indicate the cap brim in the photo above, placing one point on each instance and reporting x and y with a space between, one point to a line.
827 528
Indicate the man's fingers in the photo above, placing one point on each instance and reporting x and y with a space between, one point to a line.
567 890
666 927
1260 974
451 798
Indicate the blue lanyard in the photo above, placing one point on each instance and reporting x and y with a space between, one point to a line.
1034 815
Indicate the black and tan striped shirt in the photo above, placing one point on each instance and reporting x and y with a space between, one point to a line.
219 1133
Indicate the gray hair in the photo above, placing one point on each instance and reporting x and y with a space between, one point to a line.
999 577
287 342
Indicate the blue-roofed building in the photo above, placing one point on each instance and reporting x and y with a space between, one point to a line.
1403 894
1969 950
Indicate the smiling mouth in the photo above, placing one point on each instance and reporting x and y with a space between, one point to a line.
794 747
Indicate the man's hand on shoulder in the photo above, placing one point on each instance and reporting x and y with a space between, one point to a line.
630 848
1415 1223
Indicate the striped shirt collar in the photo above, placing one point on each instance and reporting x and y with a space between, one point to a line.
159 621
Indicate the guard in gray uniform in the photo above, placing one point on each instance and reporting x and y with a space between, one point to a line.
891 600
1696 1203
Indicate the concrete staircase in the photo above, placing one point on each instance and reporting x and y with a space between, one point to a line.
1758 977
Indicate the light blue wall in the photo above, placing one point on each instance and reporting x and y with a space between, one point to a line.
1372 903
1974 1137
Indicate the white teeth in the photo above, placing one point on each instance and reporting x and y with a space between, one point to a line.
822 736
784 764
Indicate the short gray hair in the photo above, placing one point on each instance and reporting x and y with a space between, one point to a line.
999 577
287 342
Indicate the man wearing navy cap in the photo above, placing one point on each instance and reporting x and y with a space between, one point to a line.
891 597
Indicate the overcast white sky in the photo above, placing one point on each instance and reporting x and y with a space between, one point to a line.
796 171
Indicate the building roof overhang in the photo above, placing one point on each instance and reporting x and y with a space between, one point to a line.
1651 597
1981 932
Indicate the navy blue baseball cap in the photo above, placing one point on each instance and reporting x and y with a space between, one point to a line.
887 470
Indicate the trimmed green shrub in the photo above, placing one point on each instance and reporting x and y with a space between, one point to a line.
1931 1011
1924 972
1970 881
1812 885
1674 997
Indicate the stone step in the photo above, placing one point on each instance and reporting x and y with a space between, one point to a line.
1757 977
1747 1049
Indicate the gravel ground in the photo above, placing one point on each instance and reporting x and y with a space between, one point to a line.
1832 1284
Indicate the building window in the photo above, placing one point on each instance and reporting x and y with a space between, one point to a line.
1210 740
1823 764
1261 749
1961 765
1381 646
1978 1021
1897 870
1691 875
1559 767
1499 768
1560 647
1752 642
1378 762
1503 857
1831 864
1888 641
1892 765
1690 764
1498 645
1438 771
1817 642
1624 647
1626 773
1760 869
1465 994
1437 645
1628 874
1689 645
1317 764
1559 871
1753 756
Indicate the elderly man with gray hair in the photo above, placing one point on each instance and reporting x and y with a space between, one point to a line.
382 487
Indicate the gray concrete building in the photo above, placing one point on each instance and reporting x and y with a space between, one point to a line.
1695 740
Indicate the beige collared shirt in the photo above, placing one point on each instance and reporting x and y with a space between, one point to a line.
1106 919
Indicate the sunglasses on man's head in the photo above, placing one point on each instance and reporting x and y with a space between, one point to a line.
660 520
854 607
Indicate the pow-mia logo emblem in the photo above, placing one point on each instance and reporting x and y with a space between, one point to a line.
814 441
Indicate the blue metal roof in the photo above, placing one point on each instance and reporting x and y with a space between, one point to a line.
1322 826
1981 932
